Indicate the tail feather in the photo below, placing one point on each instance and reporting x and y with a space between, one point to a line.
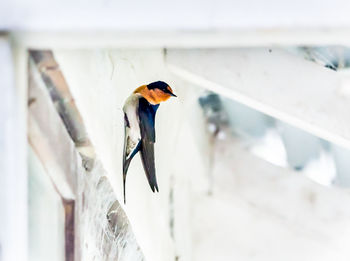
147 156
124 179
126 163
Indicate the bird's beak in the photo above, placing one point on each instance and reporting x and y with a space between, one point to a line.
170 91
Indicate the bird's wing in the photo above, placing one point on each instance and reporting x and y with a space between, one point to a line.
131 147
147 114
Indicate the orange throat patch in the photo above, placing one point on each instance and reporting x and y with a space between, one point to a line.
154 96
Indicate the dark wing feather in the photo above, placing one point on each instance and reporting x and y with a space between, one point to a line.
147 114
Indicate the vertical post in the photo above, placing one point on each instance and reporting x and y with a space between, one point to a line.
69 228
13 177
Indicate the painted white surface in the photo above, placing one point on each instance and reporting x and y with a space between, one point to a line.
181 39
13 185
170 15
261 212
256 212
42 122
100 82
46 215
273 81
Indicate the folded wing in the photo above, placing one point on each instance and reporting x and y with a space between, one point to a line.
147 114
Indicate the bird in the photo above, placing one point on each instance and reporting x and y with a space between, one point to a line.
139 130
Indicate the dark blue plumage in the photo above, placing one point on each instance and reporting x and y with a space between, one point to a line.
147 113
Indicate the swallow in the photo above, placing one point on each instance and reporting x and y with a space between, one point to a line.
139 117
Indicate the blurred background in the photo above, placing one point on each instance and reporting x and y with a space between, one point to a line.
252 158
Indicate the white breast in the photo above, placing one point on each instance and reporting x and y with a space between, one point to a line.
131 110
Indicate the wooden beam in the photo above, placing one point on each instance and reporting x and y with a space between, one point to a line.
94 218
69 206
182 39
49 138
273 81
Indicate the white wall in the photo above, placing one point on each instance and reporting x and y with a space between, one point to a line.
100 81
257 211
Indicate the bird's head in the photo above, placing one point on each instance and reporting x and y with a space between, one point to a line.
155 92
